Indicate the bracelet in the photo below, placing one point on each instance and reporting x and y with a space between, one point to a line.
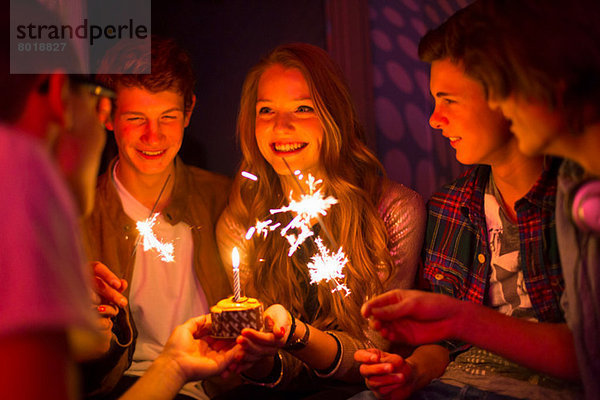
290 337
273 379
297 344
332 369
300 343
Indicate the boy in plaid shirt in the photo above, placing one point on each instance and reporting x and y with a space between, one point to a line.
490 247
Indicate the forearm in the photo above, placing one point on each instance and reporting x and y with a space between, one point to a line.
261 369
162 380
544 347
320 351
428 362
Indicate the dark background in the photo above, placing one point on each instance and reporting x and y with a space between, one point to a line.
225 39
374 41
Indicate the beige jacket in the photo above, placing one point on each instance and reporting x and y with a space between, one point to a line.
197 199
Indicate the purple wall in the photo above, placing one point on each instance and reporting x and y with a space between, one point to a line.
412 152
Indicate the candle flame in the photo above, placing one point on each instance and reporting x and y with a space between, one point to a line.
235 258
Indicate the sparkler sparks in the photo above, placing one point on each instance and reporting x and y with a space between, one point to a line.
146 233
150 241
262 228
324 265
248 175
327 266
309 208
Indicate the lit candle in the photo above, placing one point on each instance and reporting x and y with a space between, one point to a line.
235 261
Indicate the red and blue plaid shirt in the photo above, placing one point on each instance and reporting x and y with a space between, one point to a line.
457 256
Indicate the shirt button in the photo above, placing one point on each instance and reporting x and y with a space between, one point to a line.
438 277
481 258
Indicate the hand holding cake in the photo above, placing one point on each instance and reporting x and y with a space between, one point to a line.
198 355
190 354
260 347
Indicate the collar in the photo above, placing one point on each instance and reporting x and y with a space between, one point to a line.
175 211
474 191
543 193
571 175
177 208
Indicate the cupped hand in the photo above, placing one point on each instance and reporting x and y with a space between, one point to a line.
388 375
198 355
260 345
414 317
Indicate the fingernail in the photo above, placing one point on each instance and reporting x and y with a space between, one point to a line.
101 308
282 330
269 322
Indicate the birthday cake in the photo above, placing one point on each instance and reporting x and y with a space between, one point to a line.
229 317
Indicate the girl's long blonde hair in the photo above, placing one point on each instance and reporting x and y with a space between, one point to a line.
353 175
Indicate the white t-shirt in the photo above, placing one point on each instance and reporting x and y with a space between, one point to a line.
45 280
507 291
163 294
507 294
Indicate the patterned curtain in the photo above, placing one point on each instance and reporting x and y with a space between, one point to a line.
375 42
412 152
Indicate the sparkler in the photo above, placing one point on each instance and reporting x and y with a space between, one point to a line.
324 265
328 266
311 206
311 185
150 241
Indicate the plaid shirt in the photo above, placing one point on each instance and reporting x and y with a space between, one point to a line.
457 254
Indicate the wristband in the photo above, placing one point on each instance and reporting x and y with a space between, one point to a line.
273 379
292 344
332 369
290 337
